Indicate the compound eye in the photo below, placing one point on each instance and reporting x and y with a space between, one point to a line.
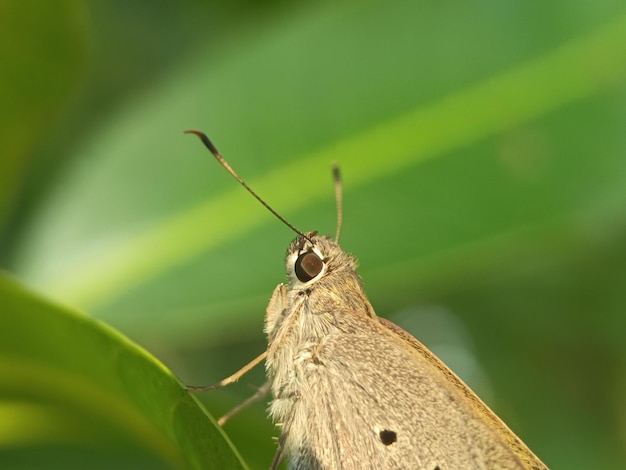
308 265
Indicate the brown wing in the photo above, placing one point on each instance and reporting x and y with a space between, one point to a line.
526 456
377 398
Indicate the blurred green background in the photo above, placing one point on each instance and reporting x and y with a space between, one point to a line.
483 152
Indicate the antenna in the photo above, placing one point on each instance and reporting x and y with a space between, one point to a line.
208 144
338 199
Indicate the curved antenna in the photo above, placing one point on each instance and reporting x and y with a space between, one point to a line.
338 199
208 144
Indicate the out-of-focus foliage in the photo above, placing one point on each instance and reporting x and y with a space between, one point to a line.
482 146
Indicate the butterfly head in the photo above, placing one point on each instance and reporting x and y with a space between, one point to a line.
311 258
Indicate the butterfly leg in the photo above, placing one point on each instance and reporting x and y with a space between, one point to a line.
260 393
231 378
278 456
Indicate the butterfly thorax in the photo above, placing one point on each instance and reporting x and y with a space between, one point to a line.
302 315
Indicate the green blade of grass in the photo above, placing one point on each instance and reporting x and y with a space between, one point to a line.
591 64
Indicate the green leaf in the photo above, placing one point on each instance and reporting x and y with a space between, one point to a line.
68 380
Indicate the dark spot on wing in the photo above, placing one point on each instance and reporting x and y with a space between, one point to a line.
387 437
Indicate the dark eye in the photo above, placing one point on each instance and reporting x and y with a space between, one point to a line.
308 265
